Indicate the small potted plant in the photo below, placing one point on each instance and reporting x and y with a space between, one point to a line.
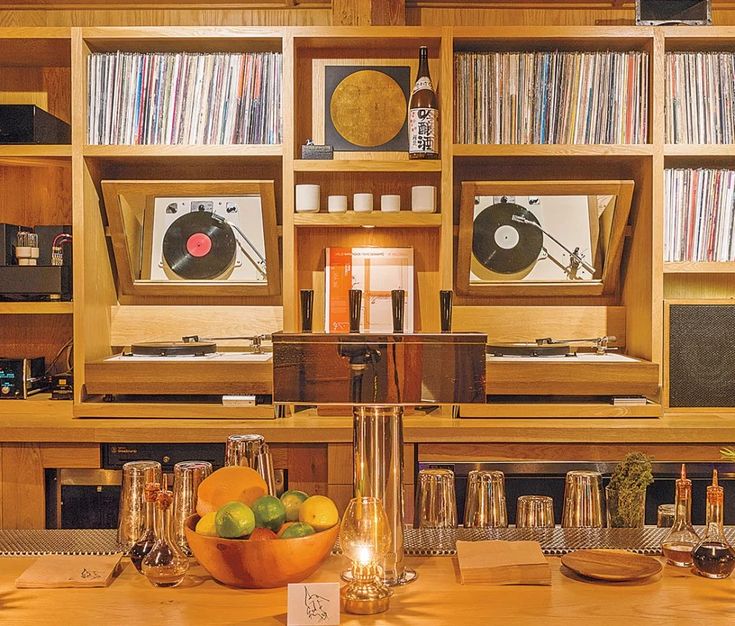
626 492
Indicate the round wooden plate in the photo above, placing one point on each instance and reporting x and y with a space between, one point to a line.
611 565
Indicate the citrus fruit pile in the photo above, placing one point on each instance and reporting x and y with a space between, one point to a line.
233 504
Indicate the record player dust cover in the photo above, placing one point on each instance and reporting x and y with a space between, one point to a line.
376 271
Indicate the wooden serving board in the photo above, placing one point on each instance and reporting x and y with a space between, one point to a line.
611 565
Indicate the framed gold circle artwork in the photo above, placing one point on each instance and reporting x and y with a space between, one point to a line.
366 108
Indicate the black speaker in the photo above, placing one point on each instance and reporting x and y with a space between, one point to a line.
702 355
7 243
661 12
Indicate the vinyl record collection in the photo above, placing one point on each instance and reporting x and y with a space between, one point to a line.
699 214
551 97
700 97
184 98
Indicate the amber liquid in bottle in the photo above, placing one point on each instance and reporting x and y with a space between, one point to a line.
148 537
714 557
423 114
678 544
165 565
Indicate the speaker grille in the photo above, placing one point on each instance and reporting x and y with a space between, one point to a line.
702 355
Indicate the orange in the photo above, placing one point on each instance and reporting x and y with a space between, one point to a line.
228 484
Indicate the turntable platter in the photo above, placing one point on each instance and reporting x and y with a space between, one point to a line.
199 246
503 245
173 348
529 349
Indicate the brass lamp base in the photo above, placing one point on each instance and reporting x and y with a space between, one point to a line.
365 597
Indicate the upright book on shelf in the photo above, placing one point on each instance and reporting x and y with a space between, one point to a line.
376 271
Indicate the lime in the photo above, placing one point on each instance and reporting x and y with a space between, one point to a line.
207 526
297 529
320 512
234 520
269 512
292 500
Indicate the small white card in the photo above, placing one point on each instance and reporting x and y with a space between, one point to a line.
313 604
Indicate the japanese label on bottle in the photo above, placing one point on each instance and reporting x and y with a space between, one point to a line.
422 83
423 129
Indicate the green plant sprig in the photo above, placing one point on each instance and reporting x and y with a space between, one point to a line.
629 478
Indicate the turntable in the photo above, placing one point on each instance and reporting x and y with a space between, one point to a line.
188 238
207 239
522 238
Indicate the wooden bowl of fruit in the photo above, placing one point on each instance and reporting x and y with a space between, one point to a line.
257 541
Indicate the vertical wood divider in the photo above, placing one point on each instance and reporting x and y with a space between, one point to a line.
657 99
290 288
78 139
446 249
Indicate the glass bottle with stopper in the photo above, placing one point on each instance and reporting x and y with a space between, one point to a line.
678 544
714 557
166 564
148 537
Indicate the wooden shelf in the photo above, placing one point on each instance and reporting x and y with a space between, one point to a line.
567 410
36 155
552 150
189 151
350 165
693 267
699 151
36 308
171 410
40 405
350 219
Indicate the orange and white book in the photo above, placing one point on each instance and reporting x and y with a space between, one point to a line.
376 271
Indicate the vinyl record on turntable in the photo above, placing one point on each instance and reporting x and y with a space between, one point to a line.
503 245
199 246
173 348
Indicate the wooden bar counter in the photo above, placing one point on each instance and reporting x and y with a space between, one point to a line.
436 599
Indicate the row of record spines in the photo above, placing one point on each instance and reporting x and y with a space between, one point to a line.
700 97
184 98
551 97
699 214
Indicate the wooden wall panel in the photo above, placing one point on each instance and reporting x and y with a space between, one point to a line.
168 17
22 488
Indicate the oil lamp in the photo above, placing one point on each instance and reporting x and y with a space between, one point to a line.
365 538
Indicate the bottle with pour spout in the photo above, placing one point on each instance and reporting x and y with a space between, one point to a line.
714 557
679 543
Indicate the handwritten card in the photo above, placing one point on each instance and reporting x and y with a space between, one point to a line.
313 604
56 570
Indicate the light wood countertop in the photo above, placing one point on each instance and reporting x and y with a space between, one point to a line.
436 599
682 428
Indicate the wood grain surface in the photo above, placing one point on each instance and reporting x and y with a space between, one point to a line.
435 599
611 565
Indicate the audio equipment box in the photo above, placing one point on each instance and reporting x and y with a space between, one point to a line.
26 123
20 378
42 271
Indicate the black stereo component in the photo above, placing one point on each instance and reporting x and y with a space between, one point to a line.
62 386
115 455
701 355
26 123
8 234
663 12
47 235
20 378
36 282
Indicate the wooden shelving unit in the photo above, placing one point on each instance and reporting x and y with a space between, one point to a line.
638 304
208 151
357 165
695 267
551 150
36 308
350 219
